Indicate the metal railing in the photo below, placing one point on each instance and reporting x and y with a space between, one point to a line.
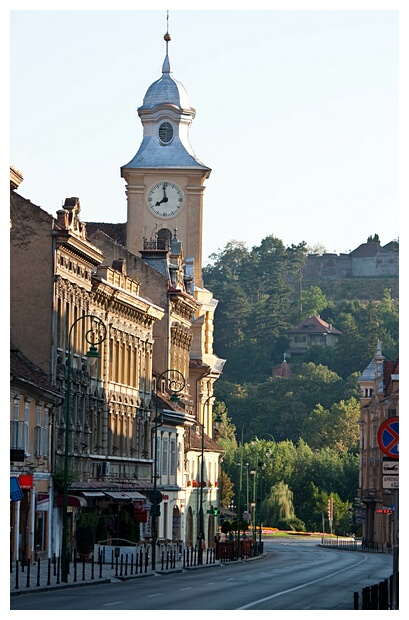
230 551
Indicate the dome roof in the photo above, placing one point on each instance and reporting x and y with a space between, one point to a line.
166 90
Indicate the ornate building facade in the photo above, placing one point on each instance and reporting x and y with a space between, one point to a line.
379 384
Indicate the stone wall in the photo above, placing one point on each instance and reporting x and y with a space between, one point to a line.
383 264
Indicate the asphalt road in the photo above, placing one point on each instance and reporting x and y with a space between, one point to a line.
295 575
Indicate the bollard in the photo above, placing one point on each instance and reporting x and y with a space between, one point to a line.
83 569
38 573
28 574
49 572
92 567
75 567
383 594
16 574
365 598
374 596
126 564
356 600
58 570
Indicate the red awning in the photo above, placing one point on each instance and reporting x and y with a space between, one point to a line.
73 500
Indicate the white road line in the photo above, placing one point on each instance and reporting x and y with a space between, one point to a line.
151 595
303 585
116 603
189 588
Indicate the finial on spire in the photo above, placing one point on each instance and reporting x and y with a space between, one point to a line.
166 68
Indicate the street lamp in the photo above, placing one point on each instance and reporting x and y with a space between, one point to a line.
201 535
260 466
92 356
176 384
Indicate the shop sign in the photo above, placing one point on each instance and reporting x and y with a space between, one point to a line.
26 481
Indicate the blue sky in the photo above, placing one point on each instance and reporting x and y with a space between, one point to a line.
297 112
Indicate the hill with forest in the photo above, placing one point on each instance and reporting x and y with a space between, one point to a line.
300 430
263 293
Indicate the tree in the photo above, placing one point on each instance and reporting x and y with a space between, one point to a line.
336 427
226 489
278 506
313 301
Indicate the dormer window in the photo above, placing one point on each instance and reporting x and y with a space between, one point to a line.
165 132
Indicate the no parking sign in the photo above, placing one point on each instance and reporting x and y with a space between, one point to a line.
388 437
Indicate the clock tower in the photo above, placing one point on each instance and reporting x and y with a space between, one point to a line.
165 179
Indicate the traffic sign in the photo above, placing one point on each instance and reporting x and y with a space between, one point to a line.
390 482
388 437
155 495
390 467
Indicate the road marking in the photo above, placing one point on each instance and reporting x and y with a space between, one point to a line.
303 585
116 603
151 595
189 588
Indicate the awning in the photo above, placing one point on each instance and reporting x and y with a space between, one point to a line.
129 495
93 494
135 495
73 500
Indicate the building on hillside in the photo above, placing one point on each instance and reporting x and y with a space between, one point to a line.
312 330
379 385
282 370
369 260
33 403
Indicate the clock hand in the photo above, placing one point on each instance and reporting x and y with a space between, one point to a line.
165 199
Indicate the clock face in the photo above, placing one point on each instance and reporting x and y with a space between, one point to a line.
165 199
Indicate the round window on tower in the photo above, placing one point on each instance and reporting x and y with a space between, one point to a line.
165 132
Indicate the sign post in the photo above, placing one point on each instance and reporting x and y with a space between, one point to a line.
388 441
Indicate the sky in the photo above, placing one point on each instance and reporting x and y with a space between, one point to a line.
297 112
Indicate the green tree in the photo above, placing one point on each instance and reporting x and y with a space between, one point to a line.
313 301
226 489
335 428
278 506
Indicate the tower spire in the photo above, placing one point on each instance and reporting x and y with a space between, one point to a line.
167 68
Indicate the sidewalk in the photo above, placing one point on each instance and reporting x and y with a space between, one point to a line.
45 578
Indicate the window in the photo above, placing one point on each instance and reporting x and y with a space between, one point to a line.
165 455
45 432
172 456
38 431
16 437
165 133
25 428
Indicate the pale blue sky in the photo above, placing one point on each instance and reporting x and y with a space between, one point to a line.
296 114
